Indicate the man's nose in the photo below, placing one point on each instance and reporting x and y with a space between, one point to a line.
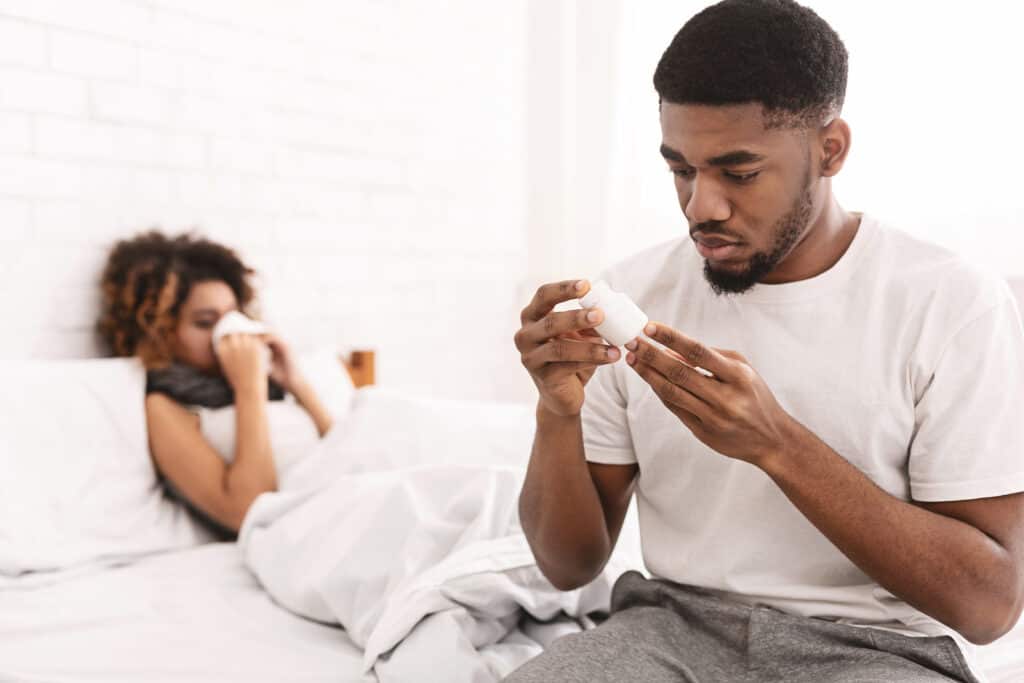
706 202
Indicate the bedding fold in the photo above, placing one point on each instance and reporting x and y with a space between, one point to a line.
413 562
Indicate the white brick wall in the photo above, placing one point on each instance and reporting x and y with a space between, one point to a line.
366 156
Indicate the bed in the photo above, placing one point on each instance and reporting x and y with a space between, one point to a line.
102 578
195 614
82 603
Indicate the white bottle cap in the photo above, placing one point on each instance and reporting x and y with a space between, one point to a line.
623 319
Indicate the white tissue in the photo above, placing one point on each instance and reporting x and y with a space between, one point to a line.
234 322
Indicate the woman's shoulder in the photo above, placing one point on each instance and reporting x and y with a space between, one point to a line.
160 406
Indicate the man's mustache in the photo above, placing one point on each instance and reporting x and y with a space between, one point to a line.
712 228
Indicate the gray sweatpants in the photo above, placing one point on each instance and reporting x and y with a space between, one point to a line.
660 631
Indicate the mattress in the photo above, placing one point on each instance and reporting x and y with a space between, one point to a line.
1003 660
192 615
199 615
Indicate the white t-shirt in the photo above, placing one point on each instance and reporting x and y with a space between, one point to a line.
904 359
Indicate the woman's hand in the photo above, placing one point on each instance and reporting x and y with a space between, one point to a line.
283 368
241 360
285 371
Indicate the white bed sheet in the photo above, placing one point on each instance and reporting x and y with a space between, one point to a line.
189 615
199 615
1003 660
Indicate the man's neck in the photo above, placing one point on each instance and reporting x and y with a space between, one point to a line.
828 238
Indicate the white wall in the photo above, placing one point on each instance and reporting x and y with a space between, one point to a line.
572 48
366 156
932 101
405 174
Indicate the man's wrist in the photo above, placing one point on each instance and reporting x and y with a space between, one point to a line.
793 441
548 416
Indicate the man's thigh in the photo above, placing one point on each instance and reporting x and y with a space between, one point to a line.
787 647
659 631
643 644
637 644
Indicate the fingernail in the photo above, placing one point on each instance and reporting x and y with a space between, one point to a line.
631 345
593 316
630 358
650 329
580 284
613 353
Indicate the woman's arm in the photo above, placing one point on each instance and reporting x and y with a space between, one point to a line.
285 371
190 463
307 398
223 491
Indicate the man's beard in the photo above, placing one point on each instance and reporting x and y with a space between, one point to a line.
786 231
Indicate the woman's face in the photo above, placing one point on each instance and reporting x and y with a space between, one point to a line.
193 337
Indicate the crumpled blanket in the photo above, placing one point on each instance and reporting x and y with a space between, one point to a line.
425 567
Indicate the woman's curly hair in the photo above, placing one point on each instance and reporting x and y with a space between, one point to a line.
146 280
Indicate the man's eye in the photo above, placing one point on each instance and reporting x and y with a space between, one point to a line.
742 177
205 325
682 172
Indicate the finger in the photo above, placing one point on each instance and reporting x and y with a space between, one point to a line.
671 394
692 352
227 342
555 372
670 365
273 342
549 295
734 355
237 338
568 350
556 324
587 335
586 372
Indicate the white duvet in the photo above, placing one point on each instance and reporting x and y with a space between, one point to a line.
425 564
419 563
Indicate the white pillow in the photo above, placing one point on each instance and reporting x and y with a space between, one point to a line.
330 380
76 480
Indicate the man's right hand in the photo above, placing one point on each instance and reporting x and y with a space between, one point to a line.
561 350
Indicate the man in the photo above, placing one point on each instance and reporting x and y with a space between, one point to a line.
841 499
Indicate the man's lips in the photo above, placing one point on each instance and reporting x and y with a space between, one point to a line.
715 248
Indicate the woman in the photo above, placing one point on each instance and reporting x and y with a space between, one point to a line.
162 297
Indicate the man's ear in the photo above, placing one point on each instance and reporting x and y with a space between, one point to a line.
833 145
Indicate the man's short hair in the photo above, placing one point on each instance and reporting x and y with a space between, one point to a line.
775 52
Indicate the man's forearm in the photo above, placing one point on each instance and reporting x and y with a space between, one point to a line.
559 507
944 567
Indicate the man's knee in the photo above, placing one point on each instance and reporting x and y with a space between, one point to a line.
620 649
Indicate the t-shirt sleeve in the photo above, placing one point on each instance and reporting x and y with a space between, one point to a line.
969 421
606 435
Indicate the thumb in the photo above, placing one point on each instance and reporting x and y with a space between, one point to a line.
585 375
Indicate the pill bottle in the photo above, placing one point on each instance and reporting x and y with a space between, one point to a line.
623 319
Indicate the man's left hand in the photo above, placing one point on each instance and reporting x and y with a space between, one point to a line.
734 412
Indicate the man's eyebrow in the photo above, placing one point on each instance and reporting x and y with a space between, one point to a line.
671 154
734 158
740 156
